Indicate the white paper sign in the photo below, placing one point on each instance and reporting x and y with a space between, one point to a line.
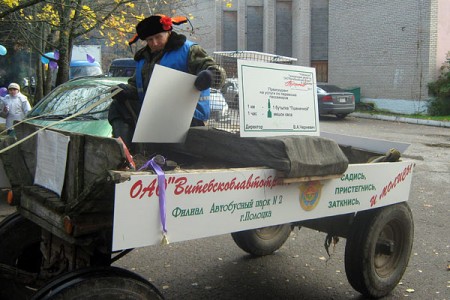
51 160
168 107
222 201
277 99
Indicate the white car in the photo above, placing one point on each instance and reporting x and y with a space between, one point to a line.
230 90
218 106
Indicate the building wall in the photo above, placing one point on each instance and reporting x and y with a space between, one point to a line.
443 32
206 21
256 25
383 47
391 49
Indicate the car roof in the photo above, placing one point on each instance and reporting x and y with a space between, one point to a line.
330 88
123 62
99 79
83 63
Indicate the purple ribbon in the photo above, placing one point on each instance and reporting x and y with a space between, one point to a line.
161 189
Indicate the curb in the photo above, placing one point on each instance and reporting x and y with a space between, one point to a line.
402 119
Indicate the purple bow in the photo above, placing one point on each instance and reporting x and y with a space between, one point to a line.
161 188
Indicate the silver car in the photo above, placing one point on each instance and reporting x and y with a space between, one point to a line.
334 100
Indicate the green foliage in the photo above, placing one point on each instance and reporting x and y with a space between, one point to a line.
440 90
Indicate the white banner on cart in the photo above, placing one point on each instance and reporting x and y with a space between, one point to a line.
216 202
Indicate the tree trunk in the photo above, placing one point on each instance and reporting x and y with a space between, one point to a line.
39 93
65 49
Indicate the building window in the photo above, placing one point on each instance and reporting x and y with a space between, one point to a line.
319 39
283 28
254 36
229 31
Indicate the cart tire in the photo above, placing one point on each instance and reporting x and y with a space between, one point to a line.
19 243
262 241
102 283
378 249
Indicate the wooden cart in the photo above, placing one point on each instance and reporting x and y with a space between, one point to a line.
63 246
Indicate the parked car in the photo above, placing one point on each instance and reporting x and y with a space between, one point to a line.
230 91
334 100
122 67
218 106
72 97
78 94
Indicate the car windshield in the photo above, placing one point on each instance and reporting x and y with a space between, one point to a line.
69 99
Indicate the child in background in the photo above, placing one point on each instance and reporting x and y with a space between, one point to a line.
14 106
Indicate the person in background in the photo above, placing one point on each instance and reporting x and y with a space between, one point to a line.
169 49
14 107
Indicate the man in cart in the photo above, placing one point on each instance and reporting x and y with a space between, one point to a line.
169 49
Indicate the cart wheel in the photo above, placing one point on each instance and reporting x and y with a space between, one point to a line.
262 241
19 243
102 283
19 247
378 249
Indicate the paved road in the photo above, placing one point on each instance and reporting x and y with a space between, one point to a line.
215 268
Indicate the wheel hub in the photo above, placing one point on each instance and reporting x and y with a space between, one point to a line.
387 250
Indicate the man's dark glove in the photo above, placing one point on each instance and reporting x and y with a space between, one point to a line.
125 94
203 80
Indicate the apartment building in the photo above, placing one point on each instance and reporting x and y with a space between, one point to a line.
390 49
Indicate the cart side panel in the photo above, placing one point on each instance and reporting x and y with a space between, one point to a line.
73 182
15 165
86 187
74 179
101 154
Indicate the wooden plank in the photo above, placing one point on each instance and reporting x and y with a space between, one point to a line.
121 176
48 198
34 200
74 179
97 197
45 217
309 178
91 223
101 154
